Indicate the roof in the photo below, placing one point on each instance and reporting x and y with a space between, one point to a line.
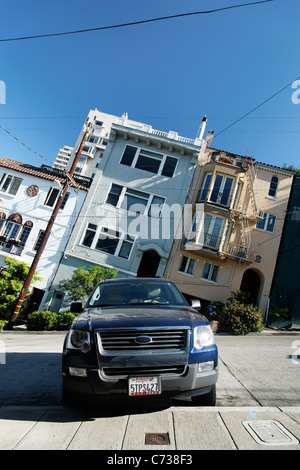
45 172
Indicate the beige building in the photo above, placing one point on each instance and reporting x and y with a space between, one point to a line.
234 215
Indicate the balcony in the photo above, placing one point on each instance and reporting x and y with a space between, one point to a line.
209 246
147 129
11 246
239 253
212 248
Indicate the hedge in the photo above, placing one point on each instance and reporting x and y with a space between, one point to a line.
44 321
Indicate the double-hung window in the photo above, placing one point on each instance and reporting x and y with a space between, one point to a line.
114 194
210 272
10 184
89 235
114 243
187 265
135 201
51 197
221 190
267 223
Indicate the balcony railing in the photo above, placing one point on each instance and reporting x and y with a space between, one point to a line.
239 253
11 246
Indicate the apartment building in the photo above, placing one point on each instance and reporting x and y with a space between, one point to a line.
238 210
28 195
63 157
285 292
141 177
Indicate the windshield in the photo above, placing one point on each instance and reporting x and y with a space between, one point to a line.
138 293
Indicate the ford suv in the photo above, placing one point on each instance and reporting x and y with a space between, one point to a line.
139 338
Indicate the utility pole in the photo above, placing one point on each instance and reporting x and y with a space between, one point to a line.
47 231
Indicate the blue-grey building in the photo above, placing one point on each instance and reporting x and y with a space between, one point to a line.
141 178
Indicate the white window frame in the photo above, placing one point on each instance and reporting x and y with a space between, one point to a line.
151 208
188 267
13 185
123 238
265 222
212 272
140 151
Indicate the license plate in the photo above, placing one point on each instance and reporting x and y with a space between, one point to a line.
144 386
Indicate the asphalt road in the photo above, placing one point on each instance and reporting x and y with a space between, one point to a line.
255 370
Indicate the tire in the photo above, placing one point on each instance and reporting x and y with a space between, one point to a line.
68 398
208 399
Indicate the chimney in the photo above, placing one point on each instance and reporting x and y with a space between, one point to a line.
202 128
209 138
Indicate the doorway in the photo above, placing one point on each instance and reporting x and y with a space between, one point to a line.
34 301
149 264
251 283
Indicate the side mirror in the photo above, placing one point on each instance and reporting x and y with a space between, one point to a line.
76 307
195 303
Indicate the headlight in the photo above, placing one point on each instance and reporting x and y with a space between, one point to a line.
203 336
79 339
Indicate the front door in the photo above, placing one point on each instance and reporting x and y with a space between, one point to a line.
149 264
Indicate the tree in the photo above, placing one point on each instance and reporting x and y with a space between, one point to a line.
83 281
291 168
11 282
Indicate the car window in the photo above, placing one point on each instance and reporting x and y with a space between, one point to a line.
139 293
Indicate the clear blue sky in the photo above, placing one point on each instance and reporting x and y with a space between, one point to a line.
168 74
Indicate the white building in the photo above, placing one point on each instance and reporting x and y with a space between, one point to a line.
63 158
27 197
141 177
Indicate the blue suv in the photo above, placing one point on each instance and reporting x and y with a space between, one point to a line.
139 338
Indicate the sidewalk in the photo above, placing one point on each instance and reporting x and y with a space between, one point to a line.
159 431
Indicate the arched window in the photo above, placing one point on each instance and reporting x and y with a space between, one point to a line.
273 186
12 226
25 231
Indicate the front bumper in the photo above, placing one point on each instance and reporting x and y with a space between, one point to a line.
189 384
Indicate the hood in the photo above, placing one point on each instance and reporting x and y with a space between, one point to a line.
138 316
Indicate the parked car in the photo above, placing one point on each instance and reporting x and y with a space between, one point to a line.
139 337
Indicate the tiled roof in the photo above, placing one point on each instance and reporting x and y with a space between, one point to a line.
44 172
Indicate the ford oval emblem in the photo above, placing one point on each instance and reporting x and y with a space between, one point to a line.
143 340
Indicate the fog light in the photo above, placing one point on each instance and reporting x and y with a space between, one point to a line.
77 372
206 366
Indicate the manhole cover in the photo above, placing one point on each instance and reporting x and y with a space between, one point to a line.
157 438
269 433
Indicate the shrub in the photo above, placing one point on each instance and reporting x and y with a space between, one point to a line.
39 321
240 319
44 321
2 324
213 311
64 320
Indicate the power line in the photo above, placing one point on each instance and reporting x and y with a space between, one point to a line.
134 23
256 107
22 143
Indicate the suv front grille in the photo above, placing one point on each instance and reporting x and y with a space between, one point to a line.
130 340
124 372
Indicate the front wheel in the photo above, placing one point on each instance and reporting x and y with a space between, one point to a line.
208 399
68 398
